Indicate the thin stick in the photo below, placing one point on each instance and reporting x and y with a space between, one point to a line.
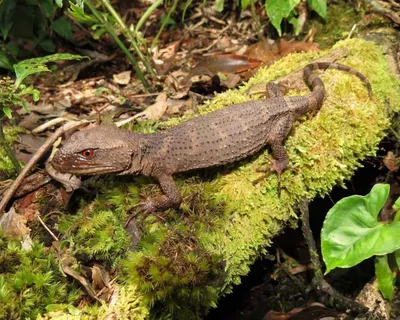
47 229
49 142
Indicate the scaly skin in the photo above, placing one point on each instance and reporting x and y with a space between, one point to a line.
220 137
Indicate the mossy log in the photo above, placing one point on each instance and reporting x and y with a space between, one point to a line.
183 264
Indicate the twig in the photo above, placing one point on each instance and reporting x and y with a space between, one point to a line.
47 229
48 124
49 142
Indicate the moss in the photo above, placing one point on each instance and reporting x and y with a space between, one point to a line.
127 305
97 231
30 281
185 262
6 166
340 20
326 149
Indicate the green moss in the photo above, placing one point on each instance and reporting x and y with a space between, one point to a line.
340 20
97 231
6 165
326 149
30 281
127 305
185 262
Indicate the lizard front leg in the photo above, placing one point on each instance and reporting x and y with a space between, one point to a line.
280 160
170 199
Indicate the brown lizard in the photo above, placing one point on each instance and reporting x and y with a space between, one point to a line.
219 137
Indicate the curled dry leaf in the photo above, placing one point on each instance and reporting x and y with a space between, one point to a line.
153 112
14 223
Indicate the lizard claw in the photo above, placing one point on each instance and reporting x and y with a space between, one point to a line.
146 208
278 167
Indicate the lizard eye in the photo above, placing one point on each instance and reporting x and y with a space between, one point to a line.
88 153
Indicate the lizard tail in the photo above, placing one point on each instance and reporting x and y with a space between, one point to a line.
318 87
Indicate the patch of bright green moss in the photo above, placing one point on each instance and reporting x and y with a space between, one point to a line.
127 305
6 165
30 281
325 148
225 223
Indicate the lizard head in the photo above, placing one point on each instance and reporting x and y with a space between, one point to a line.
103 149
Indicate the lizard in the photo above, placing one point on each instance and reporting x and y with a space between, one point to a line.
222 136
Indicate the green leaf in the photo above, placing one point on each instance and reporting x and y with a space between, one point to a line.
351 232
187 5
296 24
5 62
277 10
385 276
244 4
319 6
397 258
27 67
7 10
396 205
48 8
78 13
24 105
219 5
7 112
47 45
59 3
63 28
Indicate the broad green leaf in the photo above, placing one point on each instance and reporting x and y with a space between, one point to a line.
219 4
278 10
385 276
63 28
351 232
7 112
7 10
27 67
319 6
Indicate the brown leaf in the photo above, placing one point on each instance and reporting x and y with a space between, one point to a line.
14 224
67 262
100 277
391 162
286 47
264 51
122 78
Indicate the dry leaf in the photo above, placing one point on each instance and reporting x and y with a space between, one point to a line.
122 78
156 110
391 162
14 224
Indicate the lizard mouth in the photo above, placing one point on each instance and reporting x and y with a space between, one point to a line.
77 167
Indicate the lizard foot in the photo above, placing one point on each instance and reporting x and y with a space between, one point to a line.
145 208
278 167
